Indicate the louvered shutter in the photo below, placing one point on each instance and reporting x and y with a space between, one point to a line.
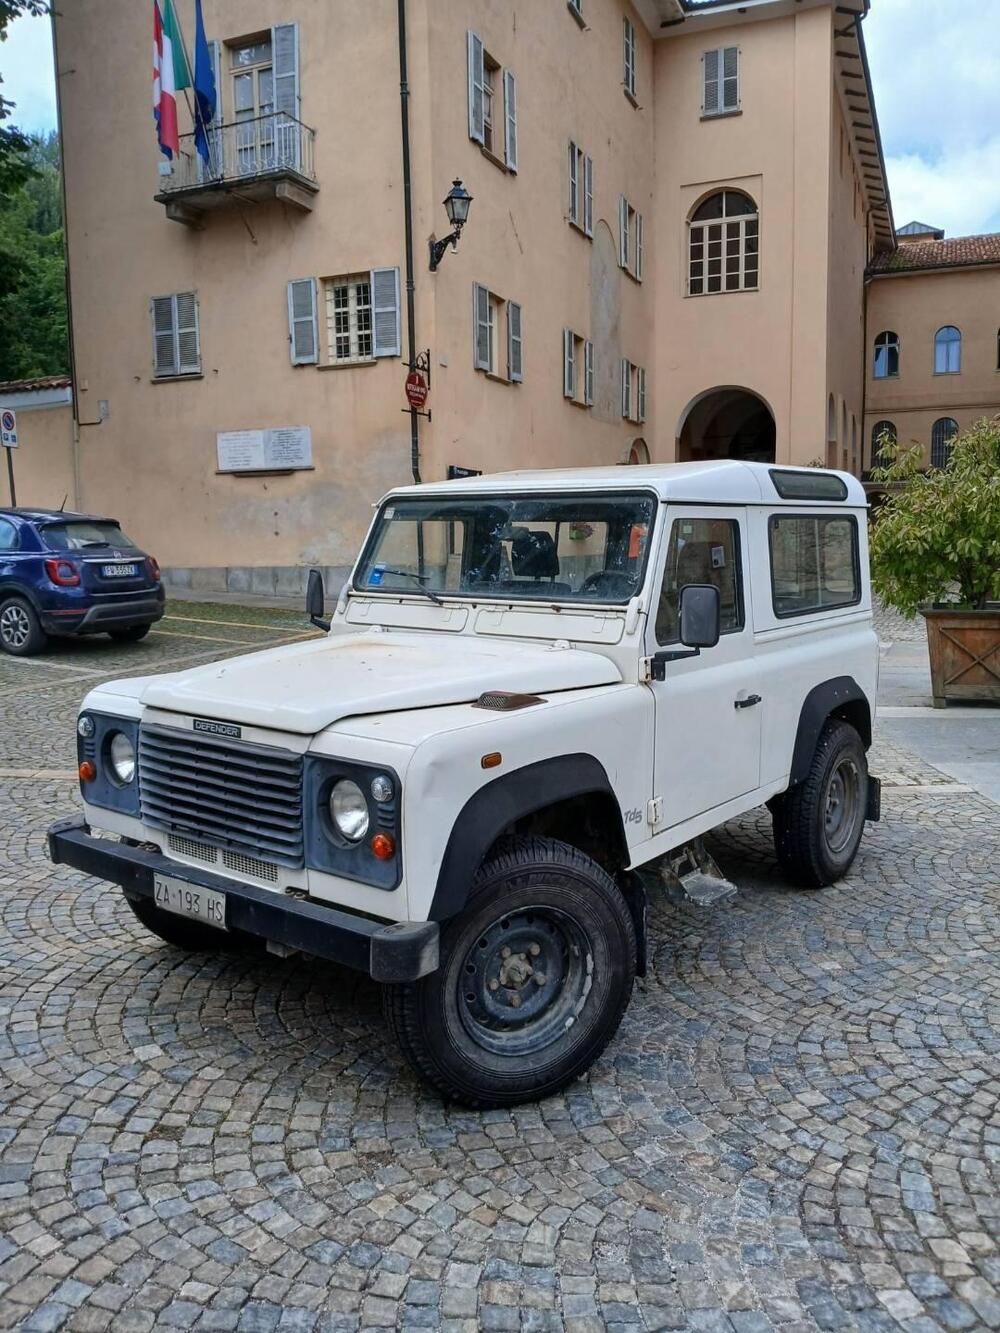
515 354
385 312
626 390
188 340
481 325
164 343
730 78
588 195
640 414
574 186
477 115
638 246
285 55
623 231
303 337
588 373
510 110
710 95
569 364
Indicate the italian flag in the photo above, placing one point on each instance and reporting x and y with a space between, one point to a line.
171 73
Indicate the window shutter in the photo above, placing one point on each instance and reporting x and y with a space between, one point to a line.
588 373
515 355
588 195
710 96
510 108
285 54
623 231
477 111
164 345
640 414
188 341
626 390
731 78
569 364
303 338
574 185
638 246
385 312
215 166
481 325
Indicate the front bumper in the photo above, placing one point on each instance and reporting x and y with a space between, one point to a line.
404 951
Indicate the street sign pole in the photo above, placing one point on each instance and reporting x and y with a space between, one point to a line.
10 477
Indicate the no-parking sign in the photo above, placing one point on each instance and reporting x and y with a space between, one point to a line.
8 428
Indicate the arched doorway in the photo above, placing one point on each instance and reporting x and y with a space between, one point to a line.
636 452
726 422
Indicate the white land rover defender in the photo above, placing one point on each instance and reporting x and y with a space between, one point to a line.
535 689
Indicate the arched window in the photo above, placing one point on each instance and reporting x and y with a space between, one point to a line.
883 433
947 351
831 432
943 432
887 355
723 244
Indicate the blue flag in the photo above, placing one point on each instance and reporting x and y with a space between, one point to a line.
205 93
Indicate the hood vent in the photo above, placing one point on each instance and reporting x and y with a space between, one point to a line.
506 701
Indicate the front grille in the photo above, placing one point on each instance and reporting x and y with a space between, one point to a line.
197 851
244 798
250 866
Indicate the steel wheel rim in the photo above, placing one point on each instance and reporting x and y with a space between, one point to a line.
525 981
14 626
840 814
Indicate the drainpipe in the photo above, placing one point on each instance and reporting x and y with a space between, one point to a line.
411 313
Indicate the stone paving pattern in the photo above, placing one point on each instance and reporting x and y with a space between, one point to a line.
797 1126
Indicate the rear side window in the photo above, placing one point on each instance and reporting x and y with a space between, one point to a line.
814 562
78 536
701 550
8 536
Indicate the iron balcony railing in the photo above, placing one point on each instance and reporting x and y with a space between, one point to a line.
270 145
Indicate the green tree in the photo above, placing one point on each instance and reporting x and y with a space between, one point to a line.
937 537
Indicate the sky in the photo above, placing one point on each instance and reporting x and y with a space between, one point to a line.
936 70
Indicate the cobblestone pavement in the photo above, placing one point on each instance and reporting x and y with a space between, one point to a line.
796 1127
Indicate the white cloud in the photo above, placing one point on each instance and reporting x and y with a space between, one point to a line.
957 191
26 67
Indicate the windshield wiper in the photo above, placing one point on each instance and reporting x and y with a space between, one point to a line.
420 580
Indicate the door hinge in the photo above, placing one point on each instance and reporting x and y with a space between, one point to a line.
645 670
654 811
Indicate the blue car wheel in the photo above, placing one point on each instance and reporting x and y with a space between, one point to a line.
21 635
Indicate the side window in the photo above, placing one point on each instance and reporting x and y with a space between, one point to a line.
8 536
701 550
814 562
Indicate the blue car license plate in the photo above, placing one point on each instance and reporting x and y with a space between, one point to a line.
119 571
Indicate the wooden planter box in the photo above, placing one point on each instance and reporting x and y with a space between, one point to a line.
965 654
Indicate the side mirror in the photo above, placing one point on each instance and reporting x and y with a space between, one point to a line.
316 599
701 615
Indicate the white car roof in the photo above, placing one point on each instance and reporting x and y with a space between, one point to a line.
722 481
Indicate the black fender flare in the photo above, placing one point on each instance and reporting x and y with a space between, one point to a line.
842 697
492 808
8 588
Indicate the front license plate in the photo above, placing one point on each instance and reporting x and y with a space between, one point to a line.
119 571
190 900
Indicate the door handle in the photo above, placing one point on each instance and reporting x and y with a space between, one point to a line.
748 702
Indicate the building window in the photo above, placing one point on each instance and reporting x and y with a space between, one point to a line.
176 339
497 325
492 117
720 81
943 434
349 318
723 244
629 59
360 317
264 93
581 190
886 356
883 440
630 242
947 351
814 563
578 368
633 392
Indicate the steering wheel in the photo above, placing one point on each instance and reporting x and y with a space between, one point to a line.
608 583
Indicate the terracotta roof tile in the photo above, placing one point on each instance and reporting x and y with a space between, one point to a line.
35 385
957 252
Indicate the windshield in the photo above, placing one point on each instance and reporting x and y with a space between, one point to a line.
566 548
77 536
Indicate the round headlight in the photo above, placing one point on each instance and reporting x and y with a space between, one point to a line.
349 810
85 726
382 789
121 756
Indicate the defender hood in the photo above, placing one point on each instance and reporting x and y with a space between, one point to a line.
303 688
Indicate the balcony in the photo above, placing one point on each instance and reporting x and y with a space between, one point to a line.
267 157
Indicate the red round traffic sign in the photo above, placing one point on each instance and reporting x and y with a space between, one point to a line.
416 389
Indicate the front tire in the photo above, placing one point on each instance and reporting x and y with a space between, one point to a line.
535 975
21 633
818 823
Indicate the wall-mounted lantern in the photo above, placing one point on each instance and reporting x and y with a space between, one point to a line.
456 204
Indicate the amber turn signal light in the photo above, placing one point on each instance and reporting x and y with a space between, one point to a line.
493 760
88 771
383 846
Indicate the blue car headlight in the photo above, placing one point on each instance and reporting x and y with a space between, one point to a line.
106 748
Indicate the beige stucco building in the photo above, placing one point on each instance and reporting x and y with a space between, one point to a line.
674 205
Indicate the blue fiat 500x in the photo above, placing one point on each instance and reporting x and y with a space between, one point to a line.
67 574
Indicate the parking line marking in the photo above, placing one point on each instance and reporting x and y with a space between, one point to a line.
215 638
237 624
39 774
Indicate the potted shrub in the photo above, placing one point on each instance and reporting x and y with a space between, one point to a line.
935 550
